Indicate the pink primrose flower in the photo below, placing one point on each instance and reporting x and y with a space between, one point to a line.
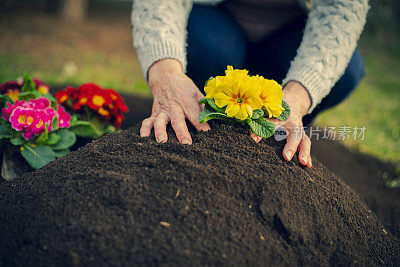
32 116
22 117
64 118
39 103
28 134
8 110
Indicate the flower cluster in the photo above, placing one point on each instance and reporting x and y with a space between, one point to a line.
237 96
13 88
241 94
106 103
31 117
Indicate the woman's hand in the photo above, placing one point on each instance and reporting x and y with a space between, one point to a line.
175 98
299 101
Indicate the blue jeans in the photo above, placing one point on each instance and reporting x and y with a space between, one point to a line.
215 40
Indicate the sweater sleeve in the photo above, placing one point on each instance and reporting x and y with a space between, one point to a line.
330 38
159 30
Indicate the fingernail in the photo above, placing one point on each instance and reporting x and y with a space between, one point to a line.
304 159
186 142
161 140
289 154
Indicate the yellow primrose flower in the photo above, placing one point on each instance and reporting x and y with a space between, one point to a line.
241 94
240 97
232 77
271 96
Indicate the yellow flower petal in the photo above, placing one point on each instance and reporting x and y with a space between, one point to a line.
242 113
249 110
232 109
221 100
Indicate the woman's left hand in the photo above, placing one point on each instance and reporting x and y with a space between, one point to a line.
299 101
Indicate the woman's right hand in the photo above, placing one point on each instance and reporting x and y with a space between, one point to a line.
175 98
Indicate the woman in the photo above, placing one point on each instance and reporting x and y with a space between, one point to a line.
308 45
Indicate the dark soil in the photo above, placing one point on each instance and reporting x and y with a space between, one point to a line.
365 174
224 200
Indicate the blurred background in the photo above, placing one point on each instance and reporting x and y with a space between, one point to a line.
70 42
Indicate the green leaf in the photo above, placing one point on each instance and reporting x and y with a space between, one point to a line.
257 114
61 153
67 139
54 123
29 95
17 141
52 99
262 127
4 133
211 103
85 129
209 79
208 114
44 136
29 85
74 119
286 113
53 139
37 156
4 99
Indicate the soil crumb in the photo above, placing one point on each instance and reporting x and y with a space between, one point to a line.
126 200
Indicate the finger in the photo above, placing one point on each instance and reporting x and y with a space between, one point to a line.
160 128
192 111
309 162
147 125
275 121
255 137
304 150
292 143
200 96
179 125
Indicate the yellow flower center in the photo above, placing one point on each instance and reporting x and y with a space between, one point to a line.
29 120
83 100
39 124
98 100
239 100
13 94
63 98
103 112
22 119
43 89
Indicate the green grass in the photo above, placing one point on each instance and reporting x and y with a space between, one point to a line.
375 104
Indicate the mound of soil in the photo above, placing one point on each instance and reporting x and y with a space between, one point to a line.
223 200
367 176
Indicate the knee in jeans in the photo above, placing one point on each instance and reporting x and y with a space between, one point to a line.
355 71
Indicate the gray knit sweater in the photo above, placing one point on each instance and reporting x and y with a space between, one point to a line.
329 40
